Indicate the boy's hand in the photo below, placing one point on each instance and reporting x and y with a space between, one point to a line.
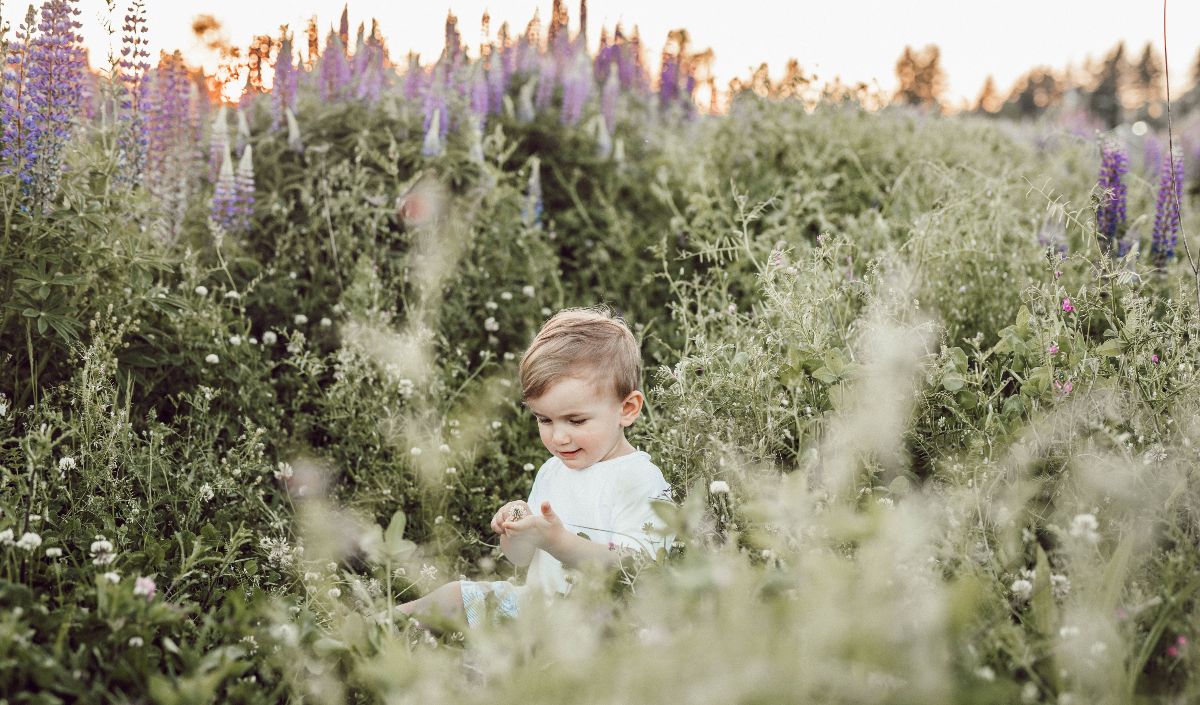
513 511
539 530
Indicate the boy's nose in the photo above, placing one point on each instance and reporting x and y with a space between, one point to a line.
561 437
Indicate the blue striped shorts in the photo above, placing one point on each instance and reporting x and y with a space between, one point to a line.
498 599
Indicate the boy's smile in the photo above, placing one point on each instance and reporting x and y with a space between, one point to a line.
583 425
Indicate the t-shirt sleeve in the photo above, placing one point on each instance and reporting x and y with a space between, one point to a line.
634 522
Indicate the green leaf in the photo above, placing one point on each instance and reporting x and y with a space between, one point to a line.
1041 604
1110 348
825 375
952 382
395 530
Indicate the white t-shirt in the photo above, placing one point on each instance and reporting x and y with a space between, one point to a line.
609 501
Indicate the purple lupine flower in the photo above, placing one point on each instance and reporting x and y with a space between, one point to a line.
1152 154
435 103
414 78
18 145
1110 216
224 209
132 139
370 75
54 83
333 68
547 78
668 81
531 211
172 120
577 88
497 88
283 86
480 98
1166 211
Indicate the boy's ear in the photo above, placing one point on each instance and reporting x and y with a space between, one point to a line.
631 407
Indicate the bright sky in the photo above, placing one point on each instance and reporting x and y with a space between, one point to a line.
858 40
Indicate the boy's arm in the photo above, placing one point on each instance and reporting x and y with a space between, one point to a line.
546 531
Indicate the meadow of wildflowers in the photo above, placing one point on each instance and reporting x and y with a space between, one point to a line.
925 386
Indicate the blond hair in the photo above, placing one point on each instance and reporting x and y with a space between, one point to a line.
593 342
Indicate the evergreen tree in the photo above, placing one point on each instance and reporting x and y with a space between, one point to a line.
1105 98
989 101
921 77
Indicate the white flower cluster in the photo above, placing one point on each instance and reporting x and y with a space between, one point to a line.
1086 527
283 471
66 463
491 325
718 487
102 551
3 406
206 492
29 541
279 553
269 338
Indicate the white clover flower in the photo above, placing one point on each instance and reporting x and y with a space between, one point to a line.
269 338
325 322
300 319
1060 585
1022 589
1085 526
66 463
509 356
414 450
528 290
311 577
235 340
6 537
718 487
54 552
527 467
429 572
283 471
1029 693
334 593
206 492
3 406
491 305
232 295
212 358
102 551
496 425
444 448
546 311
29 541
112 576
985 673
35 517
439 519
505 296
136 641
202 290
491 325
451 471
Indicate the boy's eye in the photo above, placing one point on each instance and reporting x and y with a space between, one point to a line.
543 421
578 422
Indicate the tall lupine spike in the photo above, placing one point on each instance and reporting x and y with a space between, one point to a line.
434 103
531 212
432 146
283 86
244 182
172 120
218 143
1110 216
547 78
18 145
333 69
223 210
1166 211
577 88
54 82
295 142
132 140
497 87
414 78
480 99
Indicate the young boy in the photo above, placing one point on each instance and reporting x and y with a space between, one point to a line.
579 378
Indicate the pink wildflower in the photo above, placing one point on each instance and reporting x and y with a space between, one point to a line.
1064 388
145 587
1053 349
1066 306
1172 651
1057 274
1182 640
1154 359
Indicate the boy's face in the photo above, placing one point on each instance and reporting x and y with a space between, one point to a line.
582 425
